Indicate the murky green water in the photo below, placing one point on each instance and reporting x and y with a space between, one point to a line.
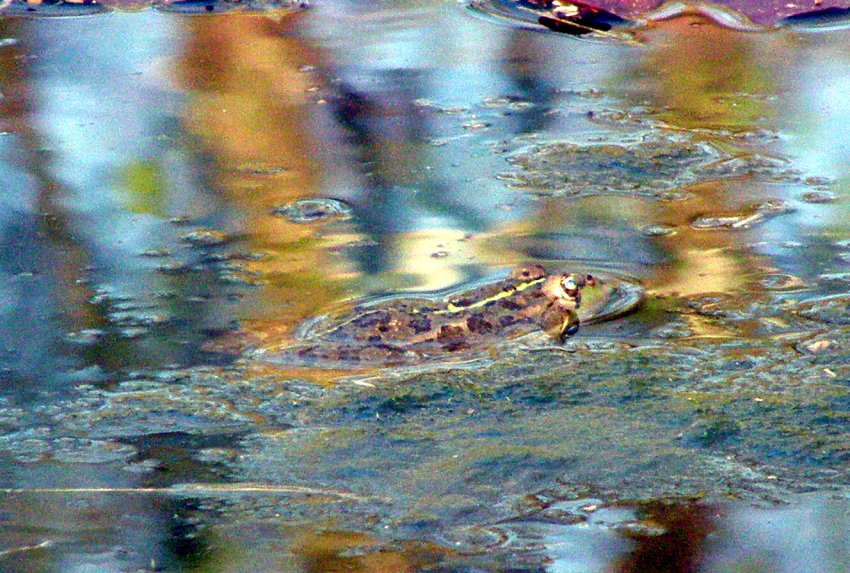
171 179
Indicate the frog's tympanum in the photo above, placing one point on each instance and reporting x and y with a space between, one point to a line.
417 329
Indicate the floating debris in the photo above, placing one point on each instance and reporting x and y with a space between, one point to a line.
751 217
818 181
240 277
570 512
155 253
67 8
76 450
572 18
216 455
818 197
262 170
511 102
85 337
819 345
641 529
315 210
206 238
752 166
220 6
176 269
835 278
622 20
782 282
672 330
476 125
474 538
656 169
180 220
657 230
833 310
52 8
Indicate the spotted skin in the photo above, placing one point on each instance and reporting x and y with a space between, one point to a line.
528 299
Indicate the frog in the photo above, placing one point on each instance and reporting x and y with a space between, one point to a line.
531 298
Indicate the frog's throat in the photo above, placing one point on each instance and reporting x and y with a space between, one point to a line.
452 308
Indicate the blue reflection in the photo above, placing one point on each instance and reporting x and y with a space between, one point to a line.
31 282
130 183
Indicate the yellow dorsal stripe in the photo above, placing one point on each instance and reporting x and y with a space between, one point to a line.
452 308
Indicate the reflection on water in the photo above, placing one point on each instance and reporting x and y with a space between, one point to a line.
625 20
168 180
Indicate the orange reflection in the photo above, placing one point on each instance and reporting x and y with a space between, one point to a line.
356 552
250 108
711 83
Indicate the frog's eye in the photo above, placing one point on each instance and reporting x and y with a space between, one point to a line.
569 283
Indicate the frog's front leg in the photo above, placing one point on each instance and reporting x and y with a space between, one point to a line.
560 320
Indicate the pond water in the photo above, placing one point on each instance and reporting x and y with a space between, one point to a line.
170 180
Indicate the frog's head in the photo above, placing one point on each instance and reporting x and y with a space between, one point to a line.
566 288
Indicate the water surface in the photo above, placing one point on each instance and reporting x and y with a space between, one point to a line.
171 179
